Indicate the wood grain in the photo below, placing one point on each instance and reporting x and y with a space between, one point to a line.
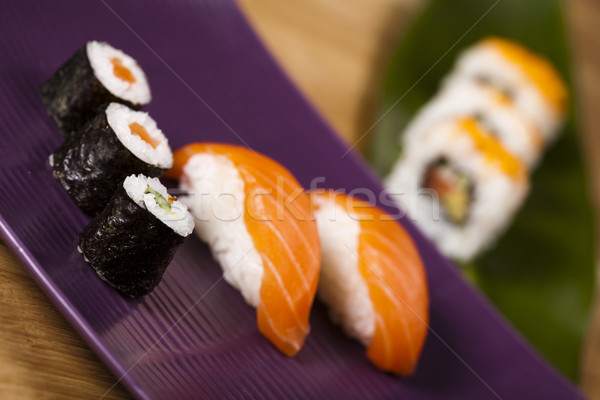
41 356
335 51
583 17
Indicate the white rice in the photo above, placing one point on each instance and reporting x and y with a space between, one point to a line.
486 60
100 55
120 117
179 219
468 98
217 201
341 285
496 198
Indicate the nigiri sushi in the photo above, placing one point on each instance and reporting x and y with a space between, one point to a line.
373 280
258 222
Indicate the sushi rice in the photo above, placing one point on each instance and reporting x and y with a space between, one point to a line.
341 285
119 73
216 196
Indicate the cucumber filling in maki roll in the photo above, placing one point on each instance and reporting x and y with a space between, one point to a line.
135 238
116 143
96 74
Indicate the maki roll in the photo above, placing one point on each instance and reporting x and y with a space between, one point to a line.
373 280
514 129
117 142
460 184
259 225
135 238
527 78
96 74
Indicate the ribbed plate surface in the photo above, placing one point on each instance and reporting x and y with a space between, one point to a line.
194 337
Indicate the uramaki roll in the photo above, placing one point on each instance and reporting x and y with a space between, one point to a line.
460 185
529 79
464 98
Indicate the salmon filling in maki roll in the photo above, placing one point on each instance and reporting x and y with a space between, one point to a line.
116 143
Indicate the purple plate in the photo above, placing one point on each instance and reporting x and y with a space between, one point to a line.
194 336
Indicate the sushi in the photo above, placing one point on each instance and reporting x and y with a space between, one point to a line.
467 155
117 142
373 280
96 74
257 221
131 243
527 78
460 184
515 130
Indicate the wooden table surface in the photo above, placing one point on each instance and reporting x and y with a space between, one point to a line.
335 51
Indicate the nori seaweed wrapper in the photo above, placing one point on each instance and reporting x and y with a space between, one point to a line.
127 246
73 94
93 163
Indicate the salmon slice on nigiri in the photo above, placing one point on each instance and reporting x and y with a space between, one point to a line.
373 280
258 222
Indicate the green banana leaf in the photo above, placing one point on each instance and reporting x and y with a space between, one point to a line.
540 274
